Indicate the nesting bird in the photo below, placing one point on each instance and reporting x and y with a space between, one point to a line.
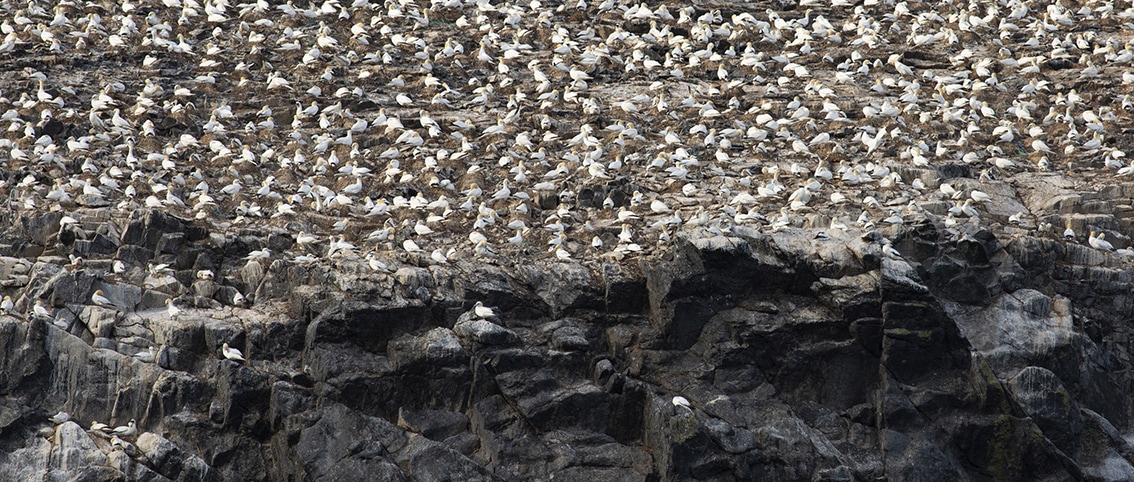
1098 242
40 310
680 402
231 353
100 299
128 430
579 133
482 311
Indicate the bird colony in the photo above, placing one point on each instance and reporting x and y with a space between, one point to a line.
427 131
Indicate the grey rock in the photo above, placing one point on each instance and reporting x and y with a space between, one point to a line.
73 451
429 460
342 443
433 424
984 351
41 227
134 255
484 332
1042 396
733 440
439 347
170 461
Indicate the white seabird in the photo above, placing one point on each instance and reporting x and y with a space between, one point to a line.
231 353
128 430
482 311
99 427
99 298
1098 242
40 310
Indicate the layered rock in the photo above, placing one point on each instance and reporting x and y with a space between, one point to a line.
799 357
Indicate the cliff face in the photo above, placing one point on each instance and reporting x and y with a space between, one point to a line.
975 356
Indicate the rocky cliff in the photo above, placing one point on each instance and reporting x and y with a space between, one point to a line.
722 240
972 356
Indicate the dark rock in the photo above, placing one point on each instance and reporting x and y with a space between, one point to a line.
367 326
545 402
437 348
429 460
170 243
40 228
20 360
342 444
242 396
98 244
148 226
484 332
974 356
733 440
434 424
134 255
1043 397
169 460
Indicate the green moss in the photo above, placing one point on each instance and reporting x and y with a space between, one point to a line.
1004 461
684 427
993 387
1011 442
1065 397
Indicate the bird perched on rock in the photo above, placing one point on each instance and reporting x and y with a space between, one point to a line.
60 417
40 310
118 444
171 309
482 311
99 298
128 430
1069 234
231 353
99 427
6 305
888 250
1098 242
680 401
147 356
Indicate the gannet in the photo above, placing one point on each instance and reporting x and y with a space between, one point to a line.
1098 242
99 299
147 356
482 311
889 250
40 310
128 430
231 353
